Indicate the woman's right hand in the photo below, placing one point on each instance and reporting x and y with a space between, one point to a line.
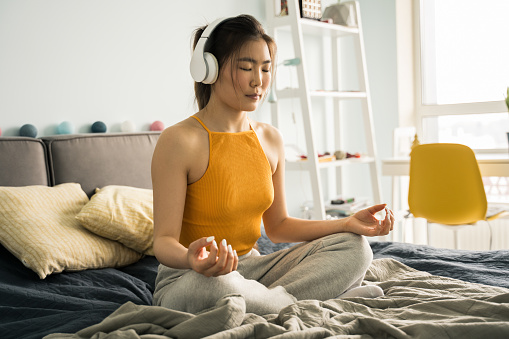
210 263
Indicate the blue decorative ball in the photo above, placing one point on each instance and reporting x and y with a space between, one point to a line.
65 127
99 127
28 130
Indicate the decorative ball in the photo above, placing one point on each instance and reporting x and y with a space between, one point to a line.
127 126
99 127
0 132
28 130
157 126
65 127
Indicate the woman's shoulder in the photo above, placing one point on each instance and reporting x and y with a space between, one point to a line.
268 132
188 128
183 136
182 149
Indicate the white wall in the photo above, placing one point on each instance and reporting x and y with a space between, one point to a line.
117 60
108 60
379 28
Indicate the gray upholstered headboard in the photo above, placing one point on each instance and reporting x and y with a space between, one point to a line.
92 160
23 162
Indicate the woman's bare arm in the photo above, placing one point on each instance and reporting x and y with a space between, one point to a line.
171 165
280 227
169 182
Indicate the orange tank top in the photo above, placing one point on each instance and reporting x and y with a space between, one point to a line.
228 201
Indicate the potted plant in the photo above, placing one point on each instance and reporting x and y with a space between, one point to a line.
507 99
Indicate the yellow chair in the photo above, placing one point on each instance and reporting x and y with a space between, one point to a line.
446 186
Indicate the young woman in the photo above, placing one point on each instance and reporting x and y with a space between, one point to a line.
215 176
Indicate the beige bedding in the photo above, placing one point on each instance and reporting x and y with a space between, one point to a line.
416 305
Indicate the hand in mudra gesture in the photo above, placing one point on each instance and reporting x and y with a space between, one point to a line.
365 223
218 261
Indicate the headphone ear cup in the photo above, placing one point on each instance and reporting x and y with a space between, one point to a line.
212 68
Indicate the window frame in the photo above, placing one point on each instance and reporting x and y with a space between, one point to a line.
433 110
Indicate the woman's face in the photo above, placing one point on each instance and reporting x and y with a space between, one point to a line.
244 80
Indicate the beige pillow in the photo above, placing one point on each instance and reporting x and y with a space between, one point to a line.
38 225
123 214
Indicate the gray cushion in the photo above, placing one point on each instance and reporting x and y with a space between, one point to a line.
98 160
23 162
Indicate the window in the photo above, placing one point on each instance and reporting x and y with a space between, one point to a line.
464 72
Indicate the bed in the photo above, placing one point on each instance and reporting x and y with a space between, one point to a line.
430 292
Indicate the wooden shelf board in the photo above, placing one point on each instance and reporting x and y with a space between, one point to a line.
315 27
303 165
289 93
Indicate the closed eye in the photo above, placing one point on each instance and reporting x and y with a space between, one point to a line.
250 69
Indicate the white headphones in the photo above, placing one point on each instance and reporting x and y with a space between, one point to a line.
204 66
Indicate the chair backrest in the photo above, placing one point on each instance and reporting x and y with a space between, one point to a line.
446 185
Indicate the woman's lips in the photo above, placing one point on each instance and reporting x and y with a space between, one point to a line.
254 96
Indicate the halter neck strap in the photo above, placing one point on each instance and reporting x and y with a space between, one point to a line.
201 123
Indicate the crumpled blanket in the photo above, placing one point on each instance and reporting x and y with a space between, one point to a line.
416 305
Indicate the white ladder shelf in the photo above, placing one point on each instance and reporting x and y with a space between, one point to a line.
298 26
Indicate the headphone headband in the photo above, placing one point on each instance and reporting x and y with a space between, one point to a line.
204 67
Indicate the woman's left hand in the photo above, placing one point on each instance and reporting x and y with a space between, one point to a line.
365 223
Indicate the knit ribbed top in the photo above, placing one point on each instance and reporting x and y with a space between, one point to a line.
228 201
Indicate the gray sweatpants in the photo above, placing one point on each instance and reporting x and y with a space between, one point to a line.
321 269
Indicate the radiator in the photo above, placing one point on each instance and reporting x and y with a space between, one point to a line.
470 237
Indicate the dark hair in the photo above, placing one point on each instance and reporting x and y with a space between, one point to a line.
225 43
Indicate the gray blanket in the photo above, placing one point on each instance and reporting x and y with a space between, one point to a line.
416 305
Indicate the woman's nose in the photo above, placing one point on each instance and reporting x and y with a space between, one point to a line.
256 80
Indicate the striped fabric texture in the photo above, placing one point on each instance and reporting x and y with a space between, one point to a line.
38 225
123 214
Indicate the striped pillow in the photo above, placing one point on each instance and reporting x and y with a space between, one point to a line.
121 213
38 225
